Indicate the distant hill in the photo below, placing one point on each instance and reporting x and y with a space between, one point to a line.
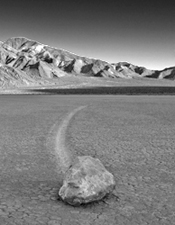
25 62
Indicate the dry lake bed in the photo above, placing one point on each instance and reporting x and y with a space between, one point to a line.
134 137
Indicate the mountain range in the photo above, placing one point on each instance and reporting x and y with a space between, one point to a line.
25 62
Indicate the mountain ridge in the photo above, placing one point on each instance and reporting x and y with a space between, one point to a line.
25 62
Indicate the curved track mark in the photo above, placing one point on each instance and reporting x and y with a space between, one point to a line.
57 135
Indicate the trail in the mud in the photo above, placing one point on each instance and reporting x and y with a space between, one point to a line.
63 157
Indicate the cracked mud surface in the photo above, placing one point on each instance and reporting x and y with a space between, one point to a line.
133 136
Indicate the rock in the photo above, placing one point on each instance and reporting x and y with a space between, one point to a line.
86 181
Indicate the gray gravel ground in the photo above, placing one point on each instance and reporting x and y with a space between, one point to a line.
132 135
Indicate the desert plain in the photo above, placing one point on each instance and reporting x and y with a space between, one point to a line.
133 136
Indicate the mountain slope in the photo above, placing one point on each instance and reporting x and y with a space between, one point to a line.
25 62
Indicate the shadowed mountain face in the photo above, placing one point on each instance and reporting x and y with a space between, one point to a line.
24 62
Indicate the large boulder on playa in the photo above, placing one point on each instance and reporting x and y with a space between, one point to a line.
86 181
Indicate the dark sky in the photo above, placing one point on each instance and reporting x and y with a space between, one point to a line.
141 32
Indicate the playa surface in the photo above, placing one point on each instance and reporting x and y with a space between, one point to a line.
133 136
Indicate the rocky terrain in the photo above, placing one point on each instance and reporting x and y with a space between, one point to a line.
25 62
